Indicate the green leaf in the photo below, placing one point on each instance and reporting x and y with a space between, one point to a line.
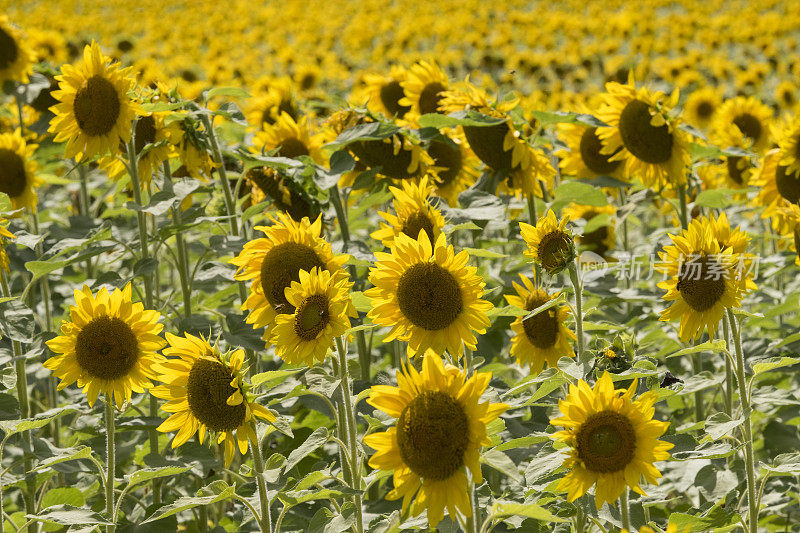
230 92
314 441
292 498
273 375
64 455
530 510
709 451
360 302
63 496
220 490
146 474
546 118
560 299
767 365
161 106
459 118
67 515
717 198
502 463
708 346
786 464
17 426
523 442
720 424
579 193
372 131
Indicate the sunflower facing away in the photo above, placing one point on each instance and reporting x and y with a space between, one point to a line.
644 135
275 261
428 295
205 392
94 113
414 214
612 438
549 243
18 171
441 426
322 308
109 345
16 58
703 279
544 338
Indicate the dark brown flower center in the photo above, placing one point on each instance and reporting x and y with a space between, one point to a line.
8 50
292 148
448 158
107 348
281 266
96 106
12 173
736 168
555 251
749 125
606 442
433 435
208 389
788 184
701 282
429 296
381 154
590 153
651 144
390 95
430 97
487 143
417 222
312 317
145 132
541 329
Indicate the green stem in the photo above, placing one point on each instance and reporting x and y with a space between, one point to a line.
355 459
580 518
180 244
728 371
684 212
576 284
230 205
699 404
736 331
474 521
265 521
85 206
532 218
624 510
110 463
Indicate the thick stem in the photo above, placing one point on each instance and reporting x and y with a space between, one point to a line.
183 256
474 521
750 466
355 459
230 205
580 519
624 510
684 212
110 463
265 520
576 284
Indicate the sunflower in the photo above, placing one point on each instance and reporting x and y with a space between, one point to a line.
742 122
701 105
584 157
268 183
423 87
18 171
94 113
414 214
187 144
613 440
454 166
16 58
4 234
644 135
735 239
275 261
428 295
383 93
273 98
322 308
779 178
399 156
602 237
441 426
149 130
289 139
205 391
543 338
108 345
786 95
703 279
549 242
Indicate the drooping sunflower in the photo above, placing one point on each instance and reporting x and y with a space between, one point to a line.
584 157
441 426
94 113
644 135
16 57
701 105
18 177
544 338
428 295
322 308
613 440
205 391
549 242
149 130
423 87
291 139
743 122
275 261
266 183
454 166
382 93
779 178
414 213
109 345
599 236
703 279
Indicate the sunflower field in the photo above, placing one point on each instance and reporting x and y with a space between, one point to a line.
398 265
